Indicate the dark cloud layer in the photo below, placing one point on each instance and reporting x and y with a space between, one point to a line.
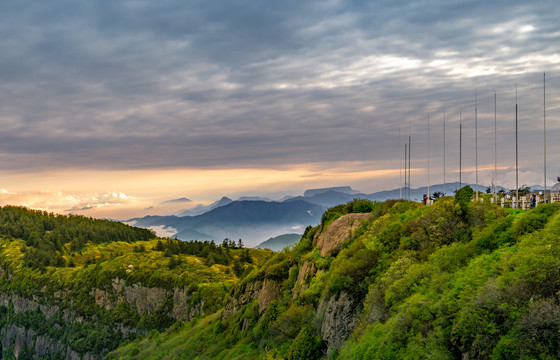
134 85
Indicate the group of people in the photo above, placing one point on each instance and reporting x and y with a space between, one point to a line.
533 201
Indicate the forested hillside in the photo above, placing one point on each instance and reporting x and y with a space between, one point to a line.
76 287
390 280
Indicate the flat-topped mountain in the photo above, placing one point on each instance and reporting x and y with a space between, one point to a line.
254 221
250 221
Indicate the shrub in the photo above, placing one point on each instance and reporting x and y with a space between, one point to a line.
351 267
359 206
305 346
464 196
535 219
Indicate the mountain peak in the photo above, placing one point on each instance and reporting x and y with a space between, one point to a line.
340 189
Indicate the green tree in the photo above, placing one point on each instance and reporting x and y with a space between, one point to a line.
305 346
464 196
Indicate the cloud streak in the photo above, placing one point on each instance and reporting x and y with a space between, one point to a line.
127 85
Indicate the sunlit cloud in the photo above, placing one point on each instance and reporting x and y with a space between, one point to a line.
124 106
63 203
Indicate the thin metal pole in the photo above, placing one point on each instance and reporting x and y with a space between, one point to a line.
544 117
400 169
428 159
405 160
409 151
460 147
516 154
476 138
495 155
444 151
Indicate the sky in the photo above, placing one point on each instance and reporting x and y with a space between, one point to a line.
116 108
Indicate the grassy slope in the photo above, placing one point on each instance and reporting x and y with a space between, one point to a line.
112 260
96 265
441 282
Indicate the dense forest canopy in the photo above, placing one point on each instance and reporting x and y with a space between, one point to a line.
46 234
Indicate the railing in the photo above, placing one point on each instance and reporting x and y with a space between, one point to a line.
524 202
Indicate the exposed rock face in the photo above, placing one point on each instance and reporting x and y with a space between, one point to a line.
264 291
146 300
16 337
247 293
22 304
338 320
183 309
268 293
342 229
306 273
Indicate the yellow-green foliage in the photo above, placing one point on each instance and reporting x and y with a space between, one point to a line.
68 285
457 279
465 301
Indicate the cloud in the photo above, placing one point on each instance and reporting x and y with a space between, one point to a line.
177 201
186 84
65 203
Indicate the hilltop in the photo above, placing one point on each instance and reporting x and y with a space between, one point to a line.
391 280
75 287
386 280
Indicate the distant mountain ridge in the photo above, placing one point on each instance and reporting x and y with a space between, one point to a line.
201 209
339 189
254 219
251 221
279 242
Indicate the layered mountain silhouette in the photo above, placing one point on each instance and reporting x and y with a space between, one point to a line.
279 242
255 219
251 221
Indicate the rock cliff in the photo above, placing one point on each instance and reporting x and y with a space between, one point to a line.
146 300
341 230
16 340
264 292
338 317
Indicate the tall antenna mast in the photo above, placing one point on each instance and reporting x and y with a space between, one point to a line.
544 117
516 154
476 139
495 155
444 150
460 146
405 156
409 151
428 159
400 168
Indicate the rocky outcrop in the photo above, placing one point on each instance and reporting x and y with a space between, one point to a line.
342 229
264 291
17 338
244 294
146 300
338 319
269 292
306 273
183 308
22 304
